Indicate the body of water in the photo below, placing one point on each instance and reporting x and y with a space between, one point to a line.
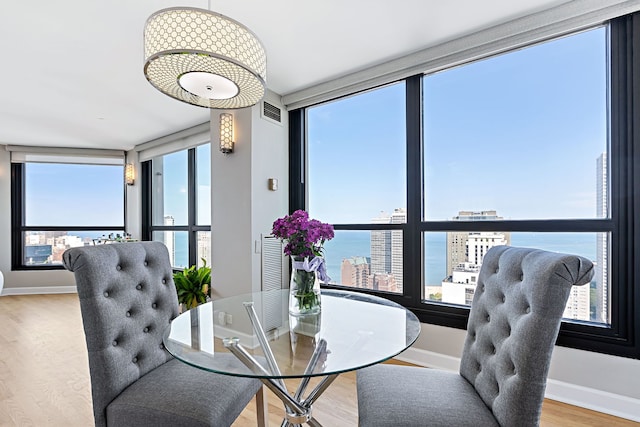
348 244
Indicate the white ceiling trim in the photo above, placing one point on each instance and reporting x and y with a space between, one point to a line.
178 141
568 17
26 154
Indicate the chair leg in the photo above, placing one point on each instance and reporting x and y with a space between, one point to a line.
261 407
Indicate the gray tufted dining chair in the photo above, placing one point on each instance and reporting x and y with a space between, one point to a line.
127 299
513 324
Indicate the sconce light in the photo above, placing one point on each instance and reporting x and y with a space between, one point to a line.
129 174
226 133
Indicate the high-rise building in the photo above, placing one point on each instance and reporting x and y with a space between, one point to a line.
457 247
170 239
602 245
399 216
381 246
204 246
578 303
355 272
478 243
387 248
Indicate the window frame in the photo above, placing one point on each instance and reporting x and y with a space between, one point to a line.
192 227
622 338
18 227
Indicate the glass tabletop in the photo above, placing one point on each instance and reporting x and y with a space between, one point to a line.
358 329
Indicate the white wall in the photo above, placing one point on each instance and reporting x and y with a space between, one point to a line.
242 206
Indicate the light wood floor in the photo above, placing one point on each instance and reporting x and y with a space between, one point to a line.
44 375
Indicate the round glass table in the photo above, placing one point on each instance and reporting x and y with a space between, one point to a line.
352 331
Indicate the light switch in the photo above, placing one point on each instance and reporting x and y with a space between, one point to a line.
273 184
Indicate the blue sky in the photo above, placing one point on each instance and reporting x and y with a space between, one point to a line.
74 195
519 133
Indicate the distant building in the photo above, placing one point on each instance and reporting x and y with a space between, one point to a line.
204 246
387 248
578 303
355 272
381 246
170 239
461 286
602 246
37 254
457 248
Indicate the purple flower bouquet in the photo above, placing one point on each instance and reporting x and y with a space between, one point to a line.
304 238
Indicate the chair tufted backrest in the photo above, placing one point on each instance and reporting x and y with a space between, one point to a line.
514 321
127 299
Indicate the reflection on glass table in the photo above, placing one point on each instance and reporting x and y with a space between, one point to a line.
352 331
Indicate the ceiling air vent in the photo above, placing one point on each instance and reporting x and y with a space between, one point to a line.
271 113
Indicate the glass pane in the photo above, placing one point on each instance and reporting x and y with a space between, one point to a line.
356 156
177 244
204 247
46 247
453 261
523 133
366 259
170 189
203 184
73 195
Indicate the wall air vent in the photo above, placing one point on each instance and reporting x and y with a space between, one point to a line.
271 113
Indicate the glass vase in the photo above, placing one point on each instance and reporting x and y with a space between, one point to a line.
304 289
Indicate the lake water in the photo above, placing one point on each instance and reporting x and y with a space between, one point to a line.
347 244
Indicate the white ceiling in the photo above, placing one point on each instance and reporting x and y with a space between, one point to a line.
72 69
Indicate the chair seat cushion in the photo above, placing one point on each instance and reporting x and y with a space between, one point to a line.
176 394
392 395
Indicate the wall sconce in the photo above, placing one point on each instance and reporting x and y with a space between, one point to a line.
129 174
226 133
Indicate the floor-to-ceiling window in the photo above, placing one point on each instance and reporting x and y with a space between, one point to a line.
532 147
178 204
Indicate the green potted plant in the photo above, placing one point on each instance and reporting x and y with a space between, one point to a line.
193 285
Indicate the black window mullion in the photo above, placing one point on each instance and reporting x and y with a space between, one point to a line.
297 150
192 205
412 237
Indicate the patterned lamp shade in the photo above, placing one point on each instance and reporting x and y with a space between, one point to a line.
204 58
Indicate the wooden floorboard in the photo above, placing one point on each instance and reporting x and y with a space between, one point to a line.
44 375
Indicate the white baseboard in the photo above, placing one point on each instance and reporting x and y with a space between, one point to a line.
39 290
596 400
584 397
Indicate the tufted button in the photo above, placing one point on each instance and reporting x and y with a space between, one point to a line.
114 343
145 330
128 314
527 310
164 281
146 263
521 277
488 318
118 267
134 360
106 294
504 298
493 349
497 269
138 286
154 305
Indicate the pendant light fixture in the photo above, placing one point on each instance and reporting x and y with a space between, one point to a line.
204 58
